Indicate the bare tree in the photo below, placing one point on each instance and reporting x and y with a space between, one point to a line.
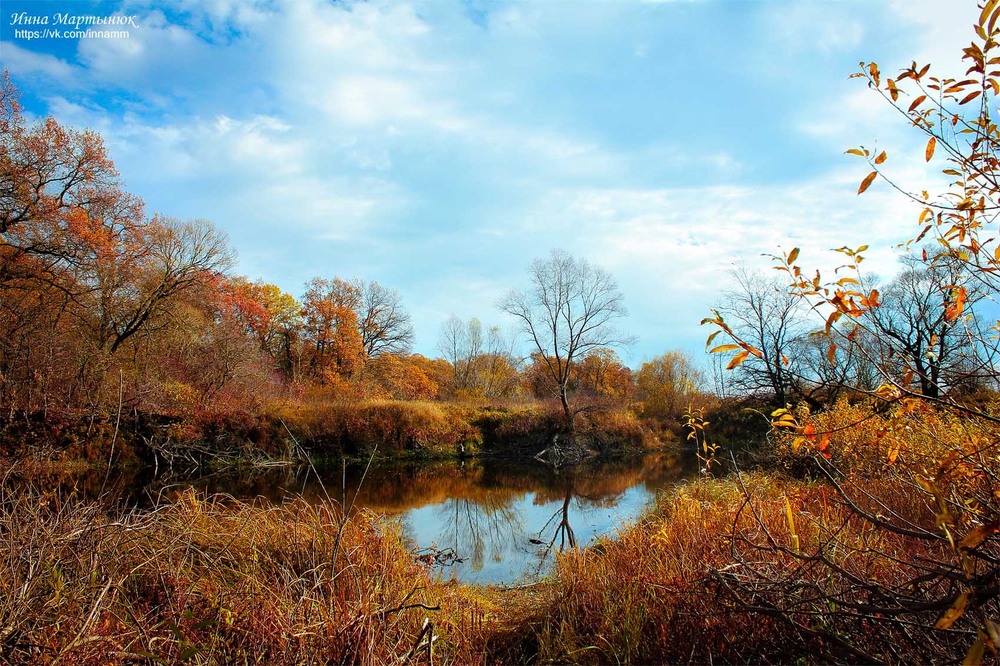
384 325
763 314
453 343
568 310
667 384
821 377
916 332
482 363
497 367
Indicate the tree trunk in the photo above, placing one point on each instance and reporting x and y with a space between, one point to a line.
567 412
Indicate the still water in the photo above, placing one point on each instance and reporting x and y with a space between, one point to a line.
484 521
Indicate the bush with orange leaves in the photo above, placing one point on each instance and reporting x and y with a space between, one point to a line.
887 555
913 470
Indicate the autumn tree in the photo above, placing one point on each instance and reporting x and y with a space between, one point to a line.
81 265
496 369
667 384
270 316
437 370
484 364
459 343
569 309
129 282
400 377
49 174
206 357
537 379
331 327
601 374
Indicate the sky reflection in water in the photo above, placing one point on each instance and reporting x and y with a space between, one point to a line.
503 519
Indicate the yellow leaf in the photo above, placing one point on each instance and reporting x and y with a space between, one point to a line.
978 535
791 526
824 447
866 183
929 151
893 452
881 158
988 9
739 358
975 655
971 96
793 255
956 611
993 631
722 348
917 102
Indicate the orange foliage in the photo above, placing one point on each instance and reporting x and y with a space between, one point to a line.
601 374
399 377
331 327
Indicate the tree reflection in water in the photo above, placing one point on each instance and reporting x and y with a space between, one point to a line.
504 518
474 527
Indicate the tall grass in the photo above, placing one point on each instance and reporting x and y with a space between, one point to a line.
211 580
878 559
208 580
395 426
755 567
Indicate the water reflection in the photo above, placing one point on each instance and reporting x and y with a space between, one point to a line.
475 531
503 521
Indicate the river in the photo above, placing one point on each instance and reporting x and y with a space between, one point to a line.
480 520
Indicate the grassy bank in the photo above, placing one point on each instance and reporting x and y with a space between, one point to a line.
872 543
395 428
870 536
210 580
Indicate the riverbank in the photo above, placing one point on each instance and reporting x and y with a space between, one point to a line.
213 580
295 432
830 553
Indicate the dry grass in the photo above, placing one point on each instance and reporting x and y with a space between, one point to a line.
857 565
854 565
645 596
394 426
215 581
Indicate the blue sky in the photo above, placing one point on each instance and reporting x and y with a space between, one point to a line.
438 147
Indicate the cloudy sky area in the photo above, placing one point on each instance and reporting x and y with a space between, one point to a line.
437 147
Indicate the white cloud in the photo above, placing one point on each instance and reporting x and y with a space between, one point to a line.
406 142
945 27
33 65
807 26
